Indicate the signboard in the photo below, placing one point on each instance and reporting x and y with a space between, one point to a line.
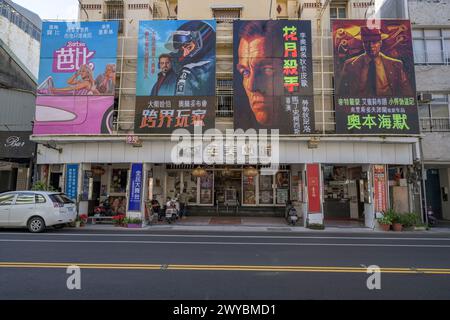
136 186
72 181
16 144
379 181
77 77
273 76
176 76
314 189
375 87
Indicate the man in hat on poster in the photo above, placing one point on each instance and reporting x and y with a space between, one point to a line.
374 73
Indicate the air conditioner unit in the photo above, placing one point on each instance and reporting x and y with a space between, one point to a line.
424 98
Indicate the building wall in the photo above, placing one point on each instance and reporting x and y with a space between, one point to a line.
434 12
17 110
23 45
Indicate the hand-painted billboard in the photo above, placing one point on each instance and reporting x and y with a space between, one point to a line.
273 76
176 70
77 77
375 88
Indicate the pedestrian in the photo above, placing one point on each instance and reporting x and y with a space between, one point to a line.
183 204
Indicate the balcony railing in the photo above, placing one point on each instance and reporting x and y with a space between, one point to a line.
435 124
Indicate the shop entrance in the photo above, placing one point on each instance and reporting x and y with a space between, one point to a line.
228 185
344 189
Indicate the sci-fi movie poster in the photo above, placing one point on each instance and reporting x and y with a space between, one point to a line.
176 76
374 77
77 78
273 76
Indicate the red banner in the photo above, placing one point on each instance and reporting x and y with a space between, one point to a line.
379 182
313 176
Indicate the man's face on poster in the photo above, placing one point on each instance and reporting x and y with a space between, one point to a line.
257 72
165 64
372 48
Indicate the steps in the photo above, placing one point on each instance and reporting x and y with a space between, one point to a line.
242 212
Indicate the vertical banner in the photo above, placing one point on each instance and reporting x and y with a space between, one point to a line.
375 87
273 76
379 182
72 181
314 189
134 199
176 76
77 78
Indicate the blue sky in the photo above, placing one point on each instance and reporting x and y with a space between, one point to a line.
51 9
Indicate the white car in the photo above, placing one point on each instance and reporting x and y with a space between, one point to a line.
36 210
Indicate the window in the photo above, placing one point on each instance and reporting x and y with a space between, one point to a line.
226 15
40 199
7 199
435 116
60 198
224 98
27 198
114 11
431 46
338 12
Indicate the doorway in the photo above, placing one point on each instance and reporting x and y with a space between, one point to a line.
228 185
434 192
55 179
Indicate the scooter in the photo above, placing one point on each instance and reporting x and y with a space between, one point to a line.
432 221
292 217
104 209
171 212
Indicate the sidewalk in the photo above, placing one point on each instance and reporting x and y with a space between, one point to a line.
251 224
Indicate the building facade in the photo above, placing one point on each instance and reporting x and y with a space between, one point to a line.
327 175
431 30
19 62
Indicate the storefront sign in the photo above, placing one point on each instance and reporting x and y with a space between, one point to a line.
72 181
313 176
379 181
16 144
136 185
375 87
178 90
273 76
87 186
77 78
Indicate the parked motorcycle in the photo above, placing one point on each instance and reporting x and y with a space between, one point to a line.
171 211
432 220
104 209
291 214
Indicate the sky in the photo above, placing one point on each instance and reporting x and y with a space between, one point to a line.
51 9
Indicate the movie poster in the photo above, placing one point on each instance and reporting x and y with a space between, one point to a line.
273 76
176 76
77 78
375 90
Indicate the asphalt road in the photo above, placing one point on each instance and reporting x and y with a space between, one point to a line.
179 265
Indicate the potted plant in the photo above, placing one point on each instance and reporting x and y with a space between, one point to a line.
410 221
83 219
119 220
397 221
134 223
77 222
385 222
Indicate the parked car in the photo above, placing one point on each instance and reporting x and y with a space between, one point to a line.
36 210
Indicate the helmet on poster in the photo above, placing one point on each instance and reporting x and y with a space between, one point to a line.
194 39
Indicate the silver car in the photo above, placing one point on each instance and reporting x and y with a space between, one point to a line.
36 210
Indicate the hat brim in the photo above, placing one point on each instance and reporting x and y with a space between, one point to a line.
384 36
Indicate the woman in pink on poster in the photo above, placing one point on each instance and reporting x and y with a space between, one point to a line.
80 83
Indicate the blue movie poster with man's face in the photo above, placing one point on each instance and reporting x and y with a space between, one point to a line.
175 87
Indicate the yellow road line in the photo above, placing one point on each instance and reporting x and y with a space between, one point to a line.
120 266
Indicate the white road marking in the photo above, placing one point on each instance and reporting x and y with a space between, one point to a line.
232 243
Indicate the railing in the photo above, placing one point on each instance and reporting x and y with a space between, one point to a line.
19 20
435 124
436 58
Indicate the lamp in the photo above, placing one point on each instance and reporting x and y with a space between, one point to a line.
250 172
199 172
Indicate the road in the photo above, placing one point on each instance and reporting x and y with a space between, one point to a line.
192 265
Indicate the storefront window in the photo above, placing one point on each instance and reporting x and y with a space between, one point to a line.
119 180
249 189
206 188
190 187
266 189
173 184
282 191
